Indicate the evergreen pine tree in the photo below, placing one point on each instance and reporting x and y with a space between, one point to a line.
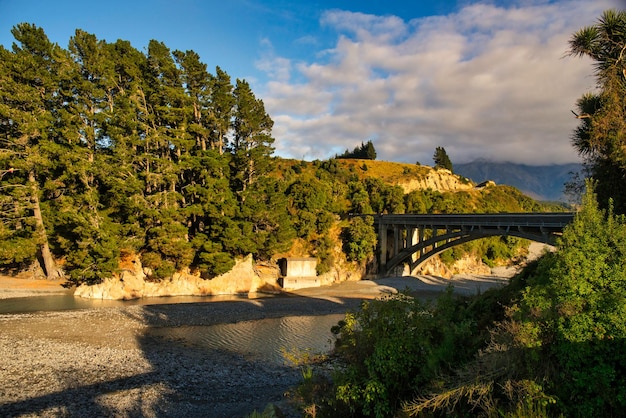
252 141
441 159
30 103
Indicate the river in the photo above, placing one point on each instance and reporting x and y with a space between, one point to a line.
267 339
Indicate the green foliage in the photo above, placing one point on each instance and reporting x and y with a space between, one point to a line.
17 248
359 239
309 200
359 198
384 198
364 152
252 143
18 238
574 310
492 251
211 259
601 135
146 152
266 221
441 159
324 253
392 348
420 201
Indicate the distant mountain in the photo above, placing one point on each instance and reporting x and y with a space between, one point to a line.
539 182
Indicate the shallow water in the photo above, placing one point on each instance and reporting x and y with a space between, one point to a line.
264 339
69 302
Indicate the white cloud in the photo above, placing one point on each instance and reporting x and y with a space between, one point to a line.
486 82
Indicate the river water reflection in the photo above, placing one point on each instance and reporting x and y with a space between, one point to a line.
264 339
69 302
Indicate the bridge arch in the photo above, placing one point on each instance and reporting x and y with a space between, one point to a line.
408 244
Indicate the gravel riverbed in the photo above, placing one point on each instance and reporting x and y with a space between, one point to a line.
107 362
113 361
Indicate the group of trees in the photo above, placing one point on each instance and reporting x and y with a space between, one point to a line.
107 151
364 152
104 149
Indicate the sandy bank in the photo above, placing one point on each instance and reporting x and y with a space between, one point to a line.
23 286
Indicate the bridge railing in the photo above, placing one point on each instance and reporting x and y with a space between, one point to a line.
556 219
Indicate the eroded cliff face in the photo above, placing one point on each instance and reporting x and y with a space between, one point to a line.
440 179
133 283
466 265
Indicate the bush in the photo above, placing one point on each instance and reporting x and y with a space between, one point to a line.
324 253
359 239
393 348
561 348
551 343
574 313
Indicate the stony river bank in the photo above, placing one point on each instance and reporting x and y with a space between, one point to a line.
111 362
105 362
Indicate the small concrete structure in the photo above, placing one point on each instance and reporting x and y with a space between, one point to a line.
298 273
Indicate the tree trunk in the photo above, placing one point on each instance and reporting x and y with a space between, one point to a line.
51 270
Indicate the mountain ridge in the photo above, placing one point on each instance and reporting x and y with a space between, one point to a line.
543 182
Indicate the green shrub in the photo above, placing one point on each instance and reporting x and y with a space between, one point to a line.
359 239
394 347
324 252
574 313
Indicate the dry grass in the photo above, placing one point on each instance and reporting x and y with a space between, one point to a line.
389 172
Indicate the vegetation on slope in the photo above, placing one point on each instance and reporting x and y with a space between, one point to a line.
108 151
551 343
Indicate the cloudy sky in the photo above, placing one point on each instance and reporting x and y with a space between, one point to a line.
483 79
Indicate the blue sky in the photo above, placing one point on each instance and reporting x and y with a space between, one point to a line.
484 79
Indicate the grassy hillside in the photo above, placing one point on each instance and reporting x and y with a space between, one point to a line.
389 172
454 193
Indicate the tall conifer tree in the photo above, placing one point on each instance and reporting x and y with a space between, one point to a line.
252 141
30 102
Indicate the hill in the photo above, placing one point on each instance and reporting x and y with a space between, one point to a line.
409 177
422 189
539 182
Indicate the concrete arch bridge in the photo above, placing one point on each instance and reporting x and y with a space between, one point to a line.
413 239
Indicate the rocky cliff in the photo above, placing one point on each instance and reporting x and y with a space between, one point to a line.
441 180
132 283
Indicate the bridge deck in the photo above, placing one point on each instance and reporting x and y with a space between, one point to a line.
556 219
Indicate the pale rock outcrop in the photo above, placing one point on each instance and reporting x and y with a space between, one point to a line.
466 265
133 284
440 179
